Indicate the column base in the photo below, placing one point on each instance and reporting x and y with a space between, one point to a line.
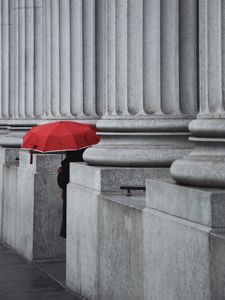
204 166
155 142
138 149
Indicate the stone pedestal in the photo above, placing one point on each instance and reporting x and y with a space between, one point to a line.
184 242
104 232
7 155
32 209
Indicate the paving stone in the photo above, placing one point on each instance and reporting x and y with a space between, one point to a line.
22 280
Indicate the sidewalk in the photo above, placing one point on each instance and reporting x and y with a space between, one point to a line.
21 280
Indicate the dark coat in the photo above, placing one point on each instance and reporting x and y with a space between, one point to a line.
63 179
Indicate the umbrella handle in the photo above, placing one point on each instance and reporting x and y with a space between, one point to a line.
31 154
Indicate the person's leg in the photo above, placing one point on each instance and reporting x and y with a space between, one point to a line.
63 226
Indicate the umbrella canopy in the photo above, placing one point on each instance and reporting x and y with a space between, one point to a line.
60 136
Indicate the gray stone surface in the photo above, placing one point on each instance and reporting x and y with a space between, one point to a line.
205 166
138 149
37 81
82 256
205 206
104 245
109 179
6 155
32 214
183 242
9 204
217 244
150 95
104 229
176 258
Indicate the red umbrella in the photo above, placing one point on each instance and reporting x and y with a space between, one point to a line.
60 136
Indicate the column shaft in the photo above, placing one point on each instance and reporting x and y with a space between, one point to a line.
21 59
5 57
55 58
205 165
64 56
77 105
29 58
38 57
146 120
47 59
48 62
89 63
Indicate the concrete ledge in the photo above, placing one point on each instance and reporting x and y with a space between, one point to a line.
202 205
109 179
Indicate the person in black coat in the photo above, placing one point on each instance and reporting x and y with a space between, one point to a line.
63 179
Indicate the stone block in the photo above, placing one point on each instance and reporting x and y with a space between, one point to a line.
6 155
201 205
109 179
9 204
82 241
104 245
182 252
38 209
104 229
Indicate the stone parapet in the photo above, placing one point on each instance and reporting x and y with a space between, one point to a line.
7 155
183 242
32 207
105 233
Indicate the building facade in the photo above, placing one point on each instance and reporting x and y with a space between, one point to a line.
150 75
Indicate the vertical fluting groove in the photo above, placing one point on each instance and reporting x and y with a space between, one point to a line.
188 56
105 70
170 56
76 42
38 58
111 72
100 55
5 58
135 56
203 56
1 58
121 57
29 56
11 87
16 58
64 55
214 55
223 50
151 66
47 58
21 58
55 57
89 90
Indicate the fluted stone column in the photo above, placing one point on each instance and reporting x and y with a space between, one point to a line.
205 166
48 64
149 88
48 61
